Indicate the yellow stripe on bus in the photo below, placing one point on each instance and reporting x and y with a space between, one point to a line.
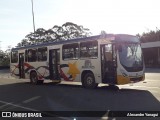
122 80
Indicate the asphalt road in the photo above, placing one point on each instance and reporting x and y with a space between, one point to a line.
20 95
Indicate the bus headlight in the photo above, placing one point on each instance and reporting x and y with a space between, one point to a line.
123 73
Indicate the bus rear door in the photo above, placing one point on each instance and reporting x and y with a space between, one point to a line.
21 65
54 62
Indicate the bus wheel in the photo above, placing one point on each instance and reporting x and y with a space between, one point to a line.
89 81
34 78
40 81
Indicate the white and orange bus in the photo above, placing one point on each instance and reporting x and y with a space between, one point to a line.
112 59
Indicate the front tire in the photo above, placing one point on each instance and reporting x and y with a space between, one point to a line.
89 81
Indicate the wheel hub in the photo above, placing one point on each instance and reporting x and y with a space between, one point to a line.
89 80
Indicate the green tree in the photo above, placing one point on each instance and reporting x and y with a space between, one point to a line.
1 54
150 36
5 57
72 30
67 31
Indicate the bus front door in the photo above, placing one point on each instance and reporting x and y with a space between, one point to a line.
54 62
21 65
108 64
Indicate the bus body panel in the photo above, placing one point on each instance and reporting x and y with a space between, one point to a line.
14 70
72 69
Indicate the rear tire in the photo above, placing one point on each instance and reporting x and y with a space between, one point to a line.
89 81
33 78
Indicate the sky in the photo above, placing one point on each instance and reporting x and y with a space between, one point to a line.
112 16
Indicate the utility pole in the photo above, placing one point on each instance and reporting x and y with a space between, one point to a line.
33 16
0 45
1 53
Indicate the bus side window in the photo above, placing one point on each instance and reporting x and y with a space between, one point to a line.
89 49
14 57
32 55
42 54
70 51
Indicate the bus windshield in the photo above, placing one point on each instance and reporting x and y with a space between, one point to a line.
130 55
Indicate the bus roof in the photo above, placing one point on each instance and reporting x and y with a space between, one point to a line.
91 38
